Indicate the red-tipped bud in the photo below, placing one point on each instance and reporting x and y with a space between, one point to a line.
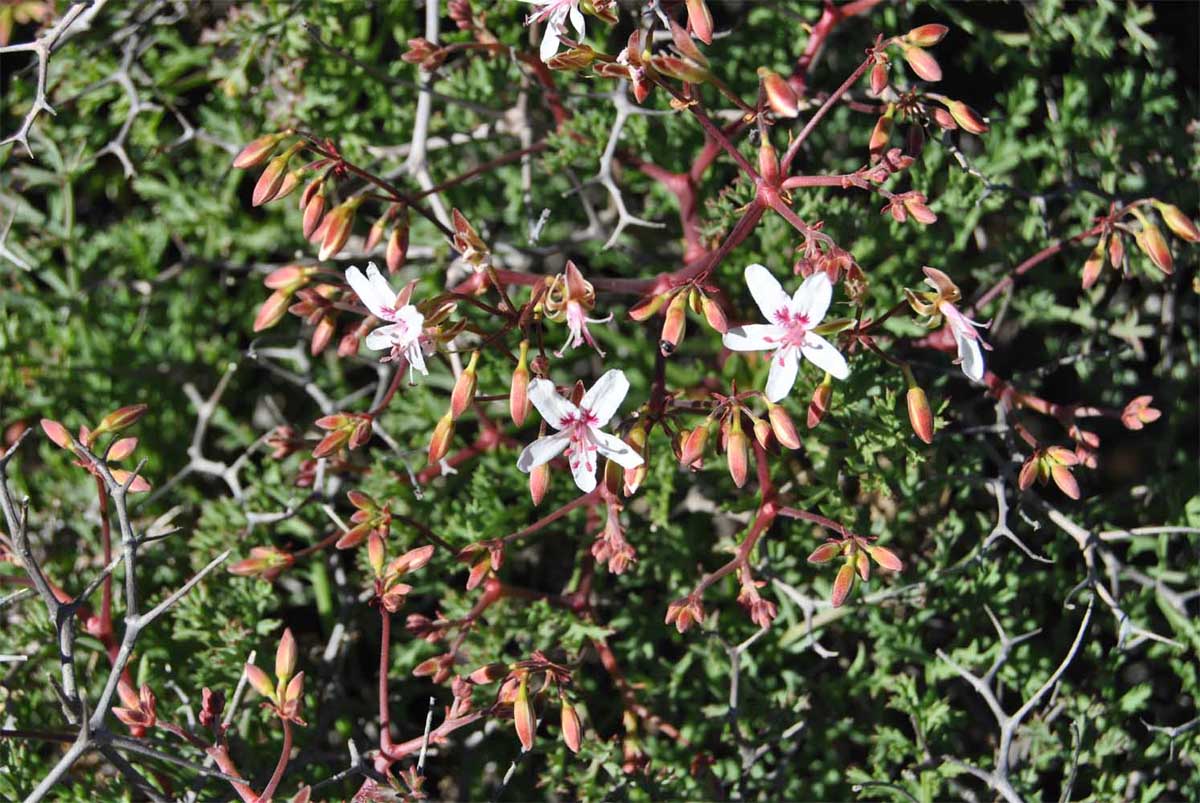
314 212
1116 250
1138 413
375 234
762 432
700 20
780 95
821 399
1154 245
919 414
714 315
572 728
439 443
885 558
944 119
782 426
737 452
139 485
842 584
285 656
914 204
518 394
768 163
338 224
539 483
577 58
464 387
825 552
290 277
122 449
258 151
1180 224
879 78
57 433
1093 266
397 248
260 681
922 63
266 562
376 553
272 310
967 118
647 307
674 324
926 35
273 177
692 450
120 419
524 718
880 134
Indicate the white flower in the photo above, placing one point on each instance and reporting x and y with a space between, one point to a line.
403 333
970 356
554 14
789 333
579 429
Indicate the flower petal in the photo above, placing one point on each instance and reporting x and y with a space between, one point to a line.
549 40
604 397
767 292
969 354
577 21
384 337
617 450
541 451
754 337
416 357
784 365
812 298
554 408
375 298
583 469
825 356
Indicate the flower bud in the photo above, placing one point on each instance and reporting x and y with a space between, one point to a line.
768 163
260 681
842 584
914 204
464 387
780 95
825 552
397 248
539 483
272 310
692 451
674 324
762 432
122 449
338 225
439 444
577 58
375 234
919 414
285 656
922 63
737 452
1116 250
1154 245
700 20
879 78
714 315
684 70
572 728
518 394
524 718
1093 266
1179 223
258 151
266 562
967 118
647 307
880 134
944 119
120 419
290 277
57 433
782 426
272 180
314 212
926 35
375 553
637 439
820 403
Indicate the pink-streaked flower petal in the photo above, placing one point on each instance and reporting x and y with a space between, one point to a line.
754 337
821 353
583 469
384 337
970 356
617 450
542 451
812 298
553 407
550 38
785 363
768 293
604 397
379 303
577 21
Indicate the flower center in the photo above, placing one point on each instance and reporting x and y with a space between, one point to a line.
795 327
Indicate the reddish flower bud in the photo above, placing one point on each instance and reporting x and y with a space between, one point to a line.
825 552
260 681
572 728
944 119
700 20
397 248
272 178
1093 266
674 324
782 426
1180 224
1029 472
780 95
879 78
768 163
122 449
821 399
539 483
885 558
139 485
1065 480
375 234
524 718
692 450
314 213
57 433
1138 413
577 58
922 63
410 561
647 307
338 225
927 35
439 444
272 310
683 613
120 419
737 452
919 414
880 134
682 69
266 562
842 584
714 315
762 432
285 656
1154 245
376 554
914 204
967 118
258 151
1116 250
290 277
464 387
637 438
518 394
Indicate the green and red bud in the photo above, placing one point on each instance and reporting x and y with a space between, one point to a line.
539 483
1150 239
337 225
782 426
274 178
397 247
464 387
922 63
518 394
926 35
572 728
737 451
285 656
524 718
272 310
1093 265
439 443
768 163
120 419
267 562
780 95
1180 224
259 150
821 400
674 324
967 118
647 307
920 416
879 77
638 435
843 583
700 20
691 452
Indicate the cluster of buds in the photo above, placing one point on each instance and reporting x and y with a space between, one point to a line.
912 47
139 710
315 306
284 282
632 64
1138 413
370 519
517 690
611 546
683 613
483 565
1148 236
761 611
343 430
286 693
394 221
701 299
1052 463
858 552
389 590
569 297
117 450
904 205
730 412
265 562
